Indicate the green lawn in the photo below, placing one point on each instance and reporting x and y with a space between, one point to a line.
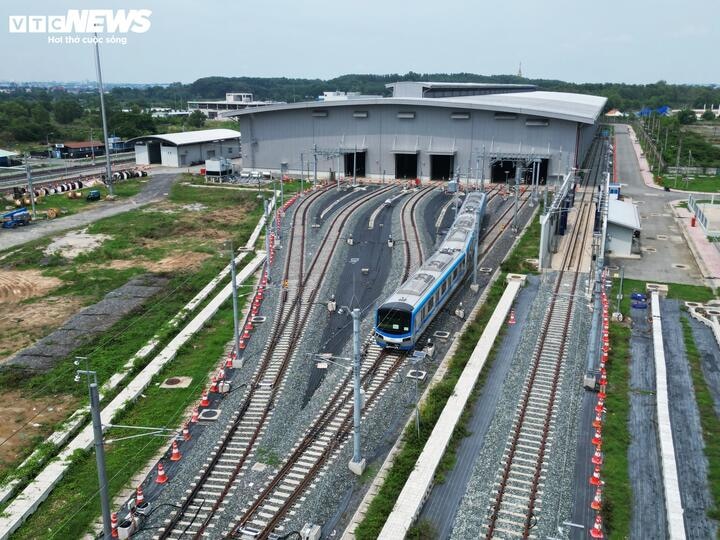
527 248
708 184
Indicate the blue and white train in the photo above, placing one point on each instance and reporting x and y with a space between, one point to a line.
404 316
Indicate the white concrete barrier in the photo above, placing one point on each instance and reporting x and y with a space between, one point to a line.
671 486
419 482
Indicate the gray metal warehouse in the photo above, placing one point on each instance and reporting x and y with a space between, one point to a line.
425 130
186 148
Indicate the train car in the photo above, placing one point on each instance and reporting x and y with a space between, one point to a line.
406 314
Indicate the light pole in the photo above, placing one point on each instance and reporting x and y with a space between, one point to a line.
47 143
108 167
357 463
98 437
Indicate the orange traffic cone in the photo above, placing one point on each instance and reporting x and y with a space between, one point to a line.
600 407
186 432
512 317
595 478
246 334
214 384
597 458
139 497
242 344
114 525
597 438
161 476
596 531
598 421
175 455
204 401
596 503
195 415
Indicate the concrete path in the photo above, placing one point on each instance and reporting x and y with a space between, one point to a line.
156 188
661 238
38 490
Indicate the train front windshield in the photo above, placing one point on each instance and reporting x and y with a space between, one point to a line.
393 321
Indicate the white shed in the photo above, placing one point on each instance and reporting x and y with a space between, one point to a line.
187 148
623 227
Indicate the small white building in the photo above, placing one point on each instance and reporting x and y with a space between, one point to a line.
623 228
234 101
187 148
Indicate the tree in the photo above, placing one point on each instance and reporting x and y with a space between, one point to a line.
196 119
67 110
686 116
708 115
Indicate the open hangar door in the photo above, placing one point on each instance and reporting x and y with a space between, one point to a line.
406 165
442 166
500 168
153 149
356 158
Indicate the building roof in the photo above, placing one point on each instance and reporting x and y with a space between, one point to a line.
191 137
83 144
624 214
7 153
417 88
581 108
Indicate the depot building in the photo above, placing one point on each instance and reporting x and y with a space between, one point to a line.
186 148
425 130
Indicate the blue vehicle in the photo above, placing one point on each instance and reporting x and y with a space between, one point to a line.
406 314
17 217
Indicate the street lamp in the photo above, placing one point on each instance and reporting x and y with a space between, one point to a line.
47 143
98 437
236 335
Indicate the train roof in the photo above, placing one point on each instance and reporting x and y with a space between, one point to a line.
450 250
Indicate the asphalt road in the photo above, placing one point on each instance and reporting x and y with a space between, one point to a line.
155 189
660 232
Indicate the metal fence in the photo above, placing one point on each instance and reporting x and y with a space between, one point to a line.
695 207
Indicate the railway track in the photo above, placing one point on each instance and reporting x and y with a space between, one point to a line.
77 172
200 510
323 440
520 479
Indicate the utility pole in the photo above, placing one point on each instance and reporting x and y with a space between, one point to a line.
99 448
355 167
302 174
236 322
28 174
108 167
518 172
474 286
266 205
357 465
92 147
677 161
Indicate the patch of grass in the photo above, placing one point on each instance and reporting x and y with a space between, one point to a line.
74 504
68 206
527 248
677 291
617 494
708 417
422 530
708 184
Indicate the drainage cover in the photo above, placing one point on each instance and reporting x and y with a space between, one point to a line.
209 414
417 374
258 319
661 237
440 334
681 266
176 382
485 270
650 250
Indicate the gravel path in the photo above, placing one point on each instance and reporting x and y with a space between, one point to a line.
444 500
687 431
648 499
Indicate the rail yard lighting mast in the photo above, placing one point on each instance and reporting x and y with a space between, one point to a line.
357 463
98 436
108 166
236 323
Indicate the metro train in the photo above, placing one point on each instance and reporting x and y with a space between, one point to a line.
404 316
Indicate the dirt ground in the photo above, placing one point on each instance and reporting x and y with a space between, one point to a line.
16 286
176 261
27 419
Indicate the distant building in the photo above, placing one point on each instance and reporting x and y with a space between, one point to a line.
614 113
79 149
339 96
234 101
187 148
6 157
167 112
623 230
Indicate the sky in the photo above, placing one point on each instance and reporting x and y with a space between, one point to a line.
632 41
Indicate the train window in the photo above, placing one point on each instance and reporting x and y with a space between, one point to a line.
394 321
